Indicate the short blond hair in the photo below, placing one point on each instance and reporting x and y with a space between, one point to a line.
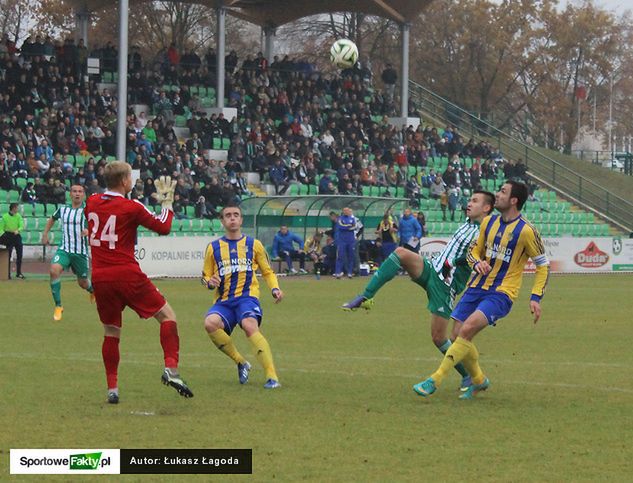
115 172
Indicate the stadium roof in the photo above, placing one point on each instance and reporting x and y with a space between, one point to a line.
273 13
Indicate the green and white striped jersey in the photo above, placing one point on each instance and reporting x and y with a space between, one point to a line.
73 223
455 252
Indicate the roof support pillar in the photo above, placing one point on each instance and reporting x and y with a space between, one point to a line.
82 17
121 128
404 91
220 52
269 43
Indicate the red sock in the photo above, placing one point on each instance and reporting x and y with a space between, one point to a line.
110 353
170 342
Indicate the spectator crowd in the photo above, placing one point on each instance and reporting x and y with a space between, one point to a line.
294 125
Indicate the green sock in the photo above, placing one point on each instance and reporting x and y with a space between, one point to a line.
56 289
459 367
386 272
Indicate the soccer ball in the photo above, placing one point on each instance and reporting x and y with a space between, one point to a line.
344 53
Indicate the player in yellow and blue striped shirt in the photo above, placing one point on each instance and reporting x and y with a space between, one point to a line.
505 243
230 264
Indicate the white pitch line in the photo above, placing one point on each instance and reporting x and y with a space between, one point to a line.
413 377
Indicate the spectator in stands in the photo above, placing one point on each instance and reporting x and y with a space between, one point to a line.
58 193
6 180
409 231
284 247
28 194
389 78
413 190
11 226
437 188
453 193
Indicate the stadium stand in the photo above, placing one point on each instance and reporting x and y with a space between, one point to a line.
331 133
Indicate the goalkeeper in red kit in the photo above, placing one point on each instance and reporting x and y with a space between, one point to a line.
116 276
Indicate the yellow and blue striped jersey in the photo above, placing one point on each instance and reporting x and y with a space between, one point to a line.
235 262
507 248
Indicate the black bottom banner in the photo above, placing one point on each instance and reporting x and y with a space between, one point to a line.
190 461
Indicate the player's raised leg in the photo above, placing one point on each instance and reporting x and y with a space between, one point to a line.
262 351
214 325
399 259
170 342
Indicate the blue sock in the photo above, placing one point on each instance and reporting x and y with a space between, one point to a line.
458 367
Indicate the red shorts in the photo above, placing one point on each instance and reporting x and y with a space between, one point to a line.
140 295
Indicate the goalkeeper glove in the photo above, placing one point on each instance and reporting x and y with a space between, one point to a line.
165 188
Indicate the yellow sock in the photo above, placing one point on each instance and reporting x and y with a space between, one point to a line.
471 363
455 353
264 355
223 341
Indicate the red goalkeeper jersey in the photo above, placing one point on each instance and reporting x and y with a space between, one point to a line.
112 223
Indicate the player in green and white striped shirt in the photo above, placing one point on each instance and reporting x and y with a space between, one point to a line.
442 277
72 252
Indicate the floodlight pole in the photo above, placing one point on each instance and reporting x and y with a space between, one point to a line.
220 49
121 128
404 91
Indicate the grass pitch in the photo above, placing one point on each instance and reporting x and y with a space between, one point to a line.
559 407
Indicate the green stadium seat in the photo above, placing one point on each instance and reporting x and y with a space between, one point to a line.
217 225
293 190
304 189
313 189
604 230
50 209
39 209
565 229
207 225
21 182
375 191
14 197
181 121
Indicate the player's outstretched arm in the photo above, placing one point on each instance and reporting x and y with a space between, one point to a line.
160 223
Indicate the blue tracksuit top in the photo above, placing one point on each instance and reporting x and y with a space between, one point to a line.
345 229
284 243
409 227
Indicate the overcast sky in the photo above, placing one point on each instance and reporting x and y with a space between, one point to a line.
617 6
